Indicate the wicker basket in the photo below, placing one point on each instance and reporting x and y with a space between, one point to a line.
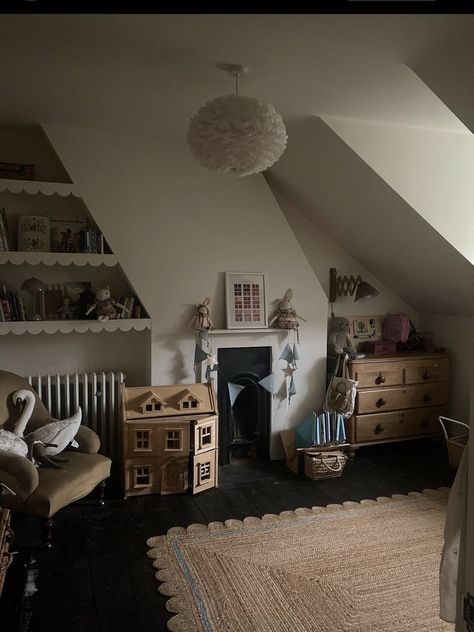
455 444
318 465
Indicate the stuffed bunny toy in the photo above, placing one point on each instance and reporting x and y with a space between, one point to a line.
286 316
202 321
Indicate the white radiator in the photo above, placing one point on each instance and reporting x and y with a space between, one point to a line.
97 393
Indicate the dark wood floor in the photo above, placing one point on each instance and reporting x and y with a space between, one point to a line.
97 578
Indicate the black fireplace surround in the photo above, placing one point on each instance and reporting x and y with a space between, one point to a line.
245 428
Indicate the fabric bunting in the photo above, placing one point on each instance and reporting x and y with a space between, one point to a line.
268 383
199 355
208 373
292 389
287 353
295 353
203 333
234 391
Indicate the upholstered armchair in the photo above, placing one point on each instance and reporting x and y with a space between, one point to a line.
43 491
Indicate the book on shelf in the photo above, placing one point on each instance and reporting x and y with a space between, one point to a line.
12 307
65 233
5 237
91 241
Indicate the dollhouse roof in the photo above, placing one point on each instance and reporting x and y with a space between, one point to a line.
186 395
151 395
171 396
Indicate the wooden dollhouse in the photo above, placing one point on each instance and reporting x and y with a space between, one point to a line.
169 439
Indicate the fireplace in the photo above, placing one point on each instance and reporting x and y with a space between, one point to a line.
244 429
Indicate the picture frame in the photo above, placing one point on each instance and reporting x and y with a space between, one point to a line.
246 306
65 233
365 327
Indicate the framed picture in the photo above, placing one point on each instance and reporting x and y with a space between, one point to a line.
365 327
33 233
65 233
245 300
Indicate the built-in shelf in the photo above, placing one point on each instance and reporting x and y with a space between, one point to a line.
253 330
61 258
33 187
70 326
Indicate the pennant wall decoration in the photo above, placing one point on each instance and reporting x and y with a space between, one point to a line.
208 373
204 334
287 353
268 383
292 389
199 355
295 353
234 391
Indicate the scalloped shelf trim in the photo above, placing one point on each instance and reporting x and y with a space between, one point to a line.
33 187
180 602
68 326
62 258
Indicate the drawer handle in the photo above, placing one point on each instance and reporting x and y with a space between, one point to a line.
379 428
380 379
427 397
380 402
426 375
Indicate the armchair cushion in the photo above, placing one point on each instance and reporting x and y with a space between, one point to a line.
19 474
60 487
89 442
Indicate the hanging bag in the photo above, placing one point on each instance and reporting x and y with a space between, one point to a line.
341 394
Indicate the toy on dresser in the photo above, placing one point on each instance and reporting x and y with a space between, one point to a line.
339 340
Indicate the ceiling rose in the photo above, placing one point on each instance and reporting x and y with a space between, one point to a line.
237 135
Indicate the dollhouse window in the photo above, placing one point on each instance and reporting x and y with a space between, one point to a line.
157 406
173 439
149 407
185 404
142 476
204 472
206 435
142 440
194 403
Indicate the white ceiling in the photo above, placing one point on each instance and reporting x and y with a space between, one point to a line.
150 73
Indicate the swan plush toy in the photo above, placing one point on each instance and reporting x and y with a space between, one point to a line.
13 441
44 443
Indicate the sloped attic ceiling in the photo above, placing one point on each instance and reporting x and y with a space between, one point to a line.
344 197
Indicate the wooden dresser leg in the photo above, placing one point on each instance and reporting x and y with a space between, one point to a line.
48 532
102 493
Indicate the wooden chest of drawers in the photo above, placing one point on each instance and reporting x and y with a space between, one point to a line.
399 397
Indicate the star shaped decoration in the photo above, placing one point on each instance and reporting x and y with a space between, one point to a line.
212 361
289 371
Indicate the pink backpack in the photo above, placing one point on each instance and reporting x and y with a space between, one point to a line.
396 328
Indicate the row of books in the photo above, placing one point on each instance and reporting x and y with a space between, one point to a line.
131 307
51 234
91 241
319 430
11 306
5 237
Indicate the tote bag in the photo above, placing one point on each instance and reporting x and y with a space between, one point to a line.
341 393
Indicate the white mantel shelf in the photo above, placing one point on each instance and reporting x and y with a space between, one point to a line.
33 187
61 258
69 326
253 330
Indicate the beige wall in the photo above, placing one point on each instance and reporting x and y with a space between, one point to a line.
176 228
453 333
324 253
430 169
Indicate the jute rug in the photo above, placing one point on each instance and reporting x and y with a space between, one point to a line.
358 567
